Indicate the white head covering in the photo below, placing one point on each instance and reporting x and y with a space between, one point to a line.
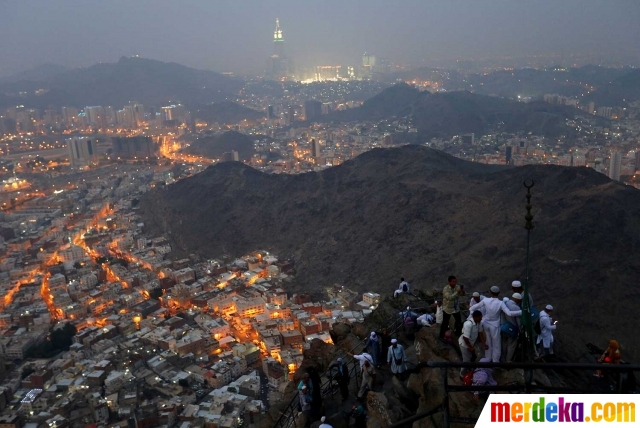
485 360
373 334
516 284
476 294
517 296
394 341
408 308
505 299
495 289
322 419
339 360
549 307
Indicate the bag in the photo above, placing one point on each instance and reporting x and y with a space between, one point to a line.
537 328
607 359
396 359
509 329
467 379
405 288
408 321
299 407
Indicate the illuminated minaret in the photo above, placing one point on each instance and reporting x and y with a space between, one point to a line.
278 40
278 67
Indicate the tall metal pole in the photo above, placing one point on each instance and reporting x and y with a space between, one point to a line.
526 307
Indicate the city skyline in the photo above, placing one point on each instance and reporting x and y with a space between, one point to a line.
229 37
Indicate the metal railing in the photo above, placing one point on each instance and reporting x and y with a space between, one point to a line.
618 370
288 415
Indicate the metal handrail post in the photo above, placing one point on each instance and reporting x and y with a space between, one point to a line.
445 401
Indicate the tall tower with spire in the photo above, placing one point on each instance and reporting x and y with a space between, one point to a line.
278 40
278 67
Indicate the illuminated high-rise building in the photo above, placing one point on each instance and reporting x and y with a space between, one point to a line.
278 66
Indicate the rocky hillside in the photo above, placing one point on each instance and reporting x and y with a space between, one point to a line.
215 146
459 112
424 215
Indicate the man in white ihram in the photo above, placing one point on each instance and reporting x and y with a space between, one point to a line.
493 309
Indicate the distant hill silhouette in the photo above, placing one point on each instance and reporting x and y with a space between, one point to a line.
130 79
38 74
214 147
445 114
226 112
424 215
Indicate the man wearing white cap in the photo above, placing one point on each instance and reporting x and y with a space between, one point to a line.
323 423
493 309
475 299
396 358
512 331
547 325
516 287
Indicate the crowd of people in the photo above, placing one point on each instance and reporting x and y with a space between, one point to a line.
490 333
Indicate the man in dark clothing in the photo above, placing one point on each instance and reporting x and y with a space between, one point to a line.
316 393
342 377
358 413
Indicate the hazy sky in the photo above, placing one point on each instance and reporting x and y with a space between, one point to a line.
236 35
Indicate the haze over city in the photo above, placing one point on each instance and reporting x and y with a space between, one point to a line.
235 36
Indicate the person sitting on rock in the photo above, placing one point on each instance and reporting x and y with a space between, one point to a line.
482 377
396 358
368 377
611 356
402 288
426 320
373 344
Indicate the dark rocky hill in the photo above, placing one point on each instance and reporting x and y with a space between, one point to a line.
460 112
226 112
130 79
424 215
214 147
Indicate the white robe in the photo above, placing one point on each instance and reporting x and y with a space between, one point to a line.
546 330
493 309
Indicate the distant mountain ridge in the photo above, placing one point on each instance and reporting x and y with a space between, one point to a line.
214 147
146 81
424 215
225 112
446 114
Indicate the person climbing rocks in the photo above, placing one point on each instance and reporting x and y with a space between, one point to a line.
373 345
547 326
396 358
472 336
494 307
451 306
365 356
611 356
402 288
368 377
